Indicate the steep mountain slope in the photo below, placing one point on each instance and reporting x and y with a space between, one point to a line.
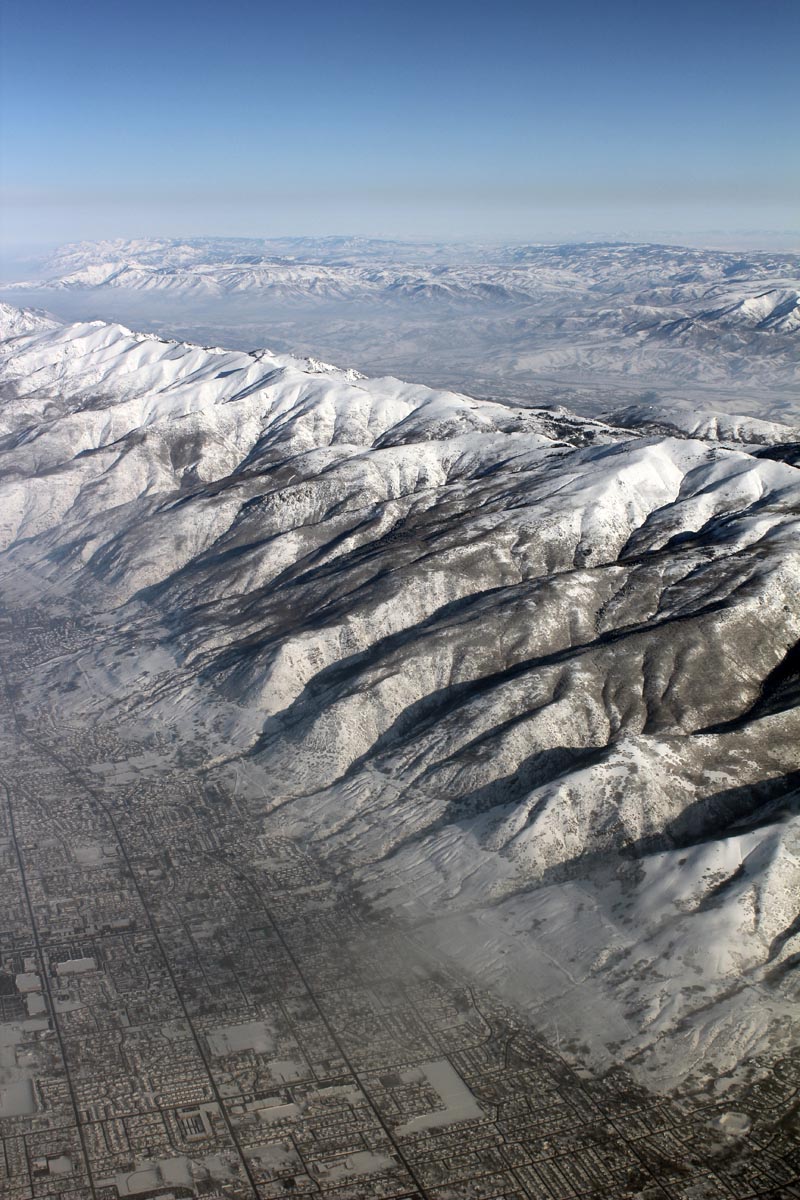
532 677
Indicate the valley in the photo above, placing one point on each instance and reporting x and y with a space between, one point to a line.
230 1020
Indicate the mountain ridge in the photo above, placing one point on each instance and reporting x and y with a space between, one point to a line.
488 658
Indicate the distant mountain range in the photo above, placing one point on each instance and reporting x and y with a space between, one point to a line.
537 322
531 677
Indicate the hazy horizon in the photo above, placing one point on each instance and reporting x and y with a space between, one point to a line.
438 122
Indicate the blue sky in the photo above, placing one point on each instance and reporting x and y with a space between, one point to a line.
441 119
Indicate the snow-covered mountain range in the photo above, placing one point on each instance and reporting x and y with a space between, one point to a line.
530 676
545 322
